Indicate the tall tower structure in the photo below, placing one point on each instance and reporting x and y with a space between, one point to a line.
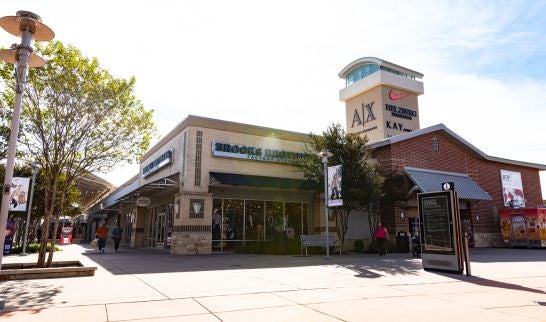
380 98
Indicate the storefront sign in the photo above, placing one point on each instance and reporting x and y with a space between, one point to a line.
162 161
401 112
143 202
366 116
512 189
239 151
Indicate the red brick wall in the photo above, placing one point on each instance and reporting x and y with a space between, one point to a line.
452 156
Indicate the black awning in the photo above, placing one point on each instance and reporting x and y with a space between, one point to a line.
219 178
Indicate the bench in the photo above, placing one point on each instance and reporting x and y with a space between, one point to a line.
319 240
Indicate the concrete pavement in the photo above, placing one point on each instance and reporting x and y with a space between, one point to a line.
149 285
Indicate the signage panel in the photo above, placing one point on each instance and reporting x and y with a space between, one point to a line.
162 161
512 189
143 202
18 194
334 186
440 230
245 152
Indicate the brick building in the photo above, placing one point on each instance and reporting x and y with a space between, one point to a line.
210 185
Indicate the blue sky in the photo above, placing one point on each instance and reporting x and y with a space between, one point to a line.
275 63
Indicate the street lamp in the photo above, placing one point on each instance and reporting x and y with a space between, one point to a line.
28 26
29 210
325 154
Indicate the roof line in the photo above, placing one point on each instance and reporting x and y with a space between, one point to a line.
442 127
437 172
378 61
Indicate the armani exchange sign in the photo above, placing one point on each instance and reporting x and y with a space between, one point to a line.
239 151
366 116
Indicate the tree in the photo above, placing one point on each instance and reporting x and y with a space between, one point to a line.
361 182
77 119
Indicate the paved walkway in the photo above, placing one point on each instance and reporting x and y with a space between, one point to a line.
144 285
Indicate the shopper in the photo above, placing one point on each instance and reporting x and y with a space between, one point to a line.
382 236
101 234
116 236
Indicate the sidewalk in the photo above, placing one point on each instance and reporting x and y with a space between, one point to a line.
144 285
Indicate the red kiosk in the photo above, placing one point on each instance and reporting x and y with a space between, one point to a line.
66 235
524 227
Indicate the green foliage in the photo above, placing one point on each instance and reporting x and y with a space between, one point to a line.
276 246
32 248
361 181
359 245
76 119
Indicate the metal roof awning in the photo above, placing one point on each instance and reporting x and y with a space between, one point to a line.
219 178
431 181
149 189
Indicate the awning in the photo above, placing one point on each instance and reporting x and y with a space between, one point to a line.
431 181
219 178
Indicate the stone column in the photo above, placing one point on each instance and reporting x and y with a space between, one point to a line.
192 233
138 238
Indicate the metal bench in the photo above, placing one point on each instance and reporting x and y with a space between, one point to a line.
319 240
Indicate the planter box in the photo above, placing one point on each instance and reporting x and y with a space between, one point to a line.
25 271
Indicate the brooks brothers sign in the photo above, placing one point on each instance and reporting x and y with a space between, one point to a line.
239 151
163 160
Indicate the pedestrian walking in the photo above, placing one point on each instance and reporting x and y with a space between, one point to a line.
101 234
382 236
116 236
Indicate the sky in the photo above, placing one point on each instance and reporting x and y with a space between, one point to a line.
275 63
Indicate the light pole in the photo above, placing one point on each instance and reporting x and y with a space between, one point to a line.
28 26
25 237
325 154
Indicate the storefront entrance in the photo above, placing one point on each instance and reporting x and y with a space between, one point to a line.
158 226
236 222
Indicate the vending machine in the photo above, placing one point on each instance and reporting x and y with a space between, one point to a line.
523 227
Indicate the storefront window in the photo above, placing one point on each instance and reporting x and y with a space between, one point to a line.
275 223
254 220
236 221
233 219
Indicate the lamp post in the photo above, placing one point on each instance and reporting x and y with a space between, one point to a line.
325 154
29 210
28 26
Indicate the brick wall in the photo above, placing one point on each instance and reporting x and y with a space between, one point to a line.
453 156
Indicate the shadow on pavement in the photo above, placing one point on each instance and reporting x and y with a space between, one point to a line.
143 261
492 283
24 294
506 255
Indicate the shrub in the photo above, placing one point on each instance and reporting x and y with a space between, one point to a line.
32 248
359 245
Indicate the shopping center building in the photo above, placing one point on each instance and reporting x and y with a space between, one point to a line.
211 185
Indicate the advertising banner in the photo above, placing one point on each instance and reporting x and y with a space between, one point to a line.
334 186
18 194
512 189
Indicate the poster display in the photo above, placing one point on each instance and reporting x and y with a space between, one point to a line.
512 189
334 186
18 194
440 231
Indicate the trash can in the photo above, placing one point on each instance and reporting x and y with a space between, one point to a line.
402 242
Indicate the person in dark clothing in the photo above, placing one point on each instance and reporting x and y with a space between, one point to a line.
116 236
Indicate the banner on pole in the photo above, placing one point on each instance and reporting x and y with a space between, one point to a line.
334 186
18 194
